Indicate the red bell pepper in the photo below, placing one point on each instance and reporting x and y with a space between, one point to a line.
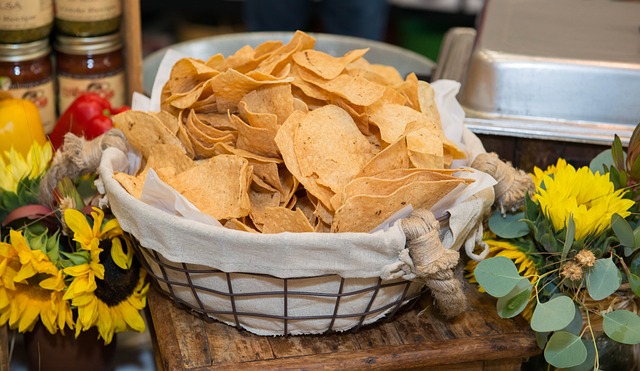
88 116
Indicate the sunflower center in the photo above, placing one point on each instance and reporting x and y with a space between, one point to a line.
118 283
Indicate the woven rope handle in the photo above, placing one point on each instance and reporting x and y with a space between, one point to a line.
433 262
76 157
513 184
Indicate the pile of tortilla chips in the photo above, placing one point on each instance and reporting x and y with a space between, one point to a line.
282 137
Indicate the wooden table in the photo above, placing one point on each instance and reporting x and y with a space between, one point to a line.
479 340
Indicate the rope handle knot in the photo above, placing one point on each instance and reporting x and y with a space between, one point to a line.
77 157
513 184
433 262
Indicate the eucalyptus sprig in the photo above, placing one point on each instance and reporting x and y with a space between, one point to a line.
580 231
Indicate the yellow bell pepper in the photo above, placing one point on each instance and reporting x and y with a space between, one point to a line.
20 125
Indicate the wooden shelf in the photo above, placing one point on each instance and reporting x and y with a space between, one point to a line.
416 338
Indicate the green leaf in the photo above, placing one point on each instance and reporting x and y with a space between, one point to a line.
530 208
634 266
568 241
623 179
575 326
636 243
553 315
615 178
623 230
617 152
548 241
565 350
598 163
76 258
515 301
498 276
541 339
622 326
511 226
604 279
588 363
634 283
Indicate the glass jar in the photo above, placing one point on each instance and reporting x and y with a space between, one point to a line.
88 17
25 20
26 69
93 64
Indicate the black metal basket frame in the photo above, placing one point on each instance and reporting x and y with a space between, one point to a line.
166 266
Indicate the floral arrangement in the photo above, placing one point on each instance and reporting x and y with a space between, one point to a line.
66 264
569 259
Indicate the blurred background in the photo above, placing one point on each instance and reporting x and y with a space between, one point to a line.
417 25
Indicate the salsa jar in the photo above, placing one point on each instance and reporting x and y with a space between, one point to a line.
87 17
93 64
26 70
25 20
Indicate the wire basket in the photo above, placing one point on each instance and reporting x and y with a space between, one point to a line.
286 283
265 304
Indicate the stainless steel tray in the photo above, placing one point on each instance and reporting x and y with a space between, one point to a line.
405 61
560 70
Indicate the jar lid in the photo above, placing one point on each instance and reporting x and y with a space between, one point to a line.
24 51
88 45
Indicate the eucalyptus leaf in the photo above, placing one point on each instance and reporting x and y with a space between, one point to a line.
509 226
541 339
515 301
553 315
622 326
568 241
589 362
565 350
636 242
575 326
623 230
598 163
498 276
634 266
603 279
634 283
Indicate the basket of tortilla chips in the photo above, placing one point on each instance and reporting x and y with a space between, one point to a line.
279 189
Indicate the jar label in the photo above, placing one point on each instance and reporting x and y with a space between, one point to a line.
43 96
25 14
87 10
111 87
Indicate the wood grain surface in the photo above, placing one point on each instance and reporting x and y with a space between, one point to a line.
415 338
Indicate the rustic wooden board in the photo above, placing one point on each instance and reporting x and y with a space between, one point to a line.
417 338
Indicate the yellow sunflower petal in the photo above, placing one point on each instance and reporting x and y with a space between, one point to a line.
120 257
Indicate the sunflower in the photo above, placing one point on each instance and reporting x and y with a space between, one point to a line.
32 288
14 167
116 303
590 199
523 256
108 289
89 238
538 174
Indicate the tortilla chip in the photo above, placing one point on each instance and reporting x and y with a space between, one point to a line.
281 219
218 187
